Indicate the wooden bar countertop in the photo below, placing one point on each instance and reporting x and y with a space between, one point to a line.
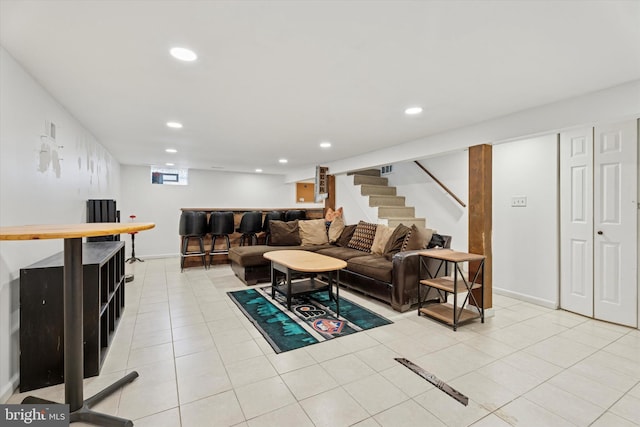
69 231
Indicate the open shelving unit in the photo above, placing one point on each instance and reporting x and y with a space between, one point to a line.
41 312
452 313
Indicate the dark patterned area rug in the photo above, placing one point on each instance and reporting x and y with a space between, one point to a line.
311 319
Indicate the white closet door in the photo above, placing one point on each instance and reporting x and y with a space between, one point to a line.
576 219
615 223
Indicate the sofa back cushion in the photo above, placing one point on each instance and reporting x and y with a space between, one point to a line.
313 232
363 236
394 245
346 235
284 233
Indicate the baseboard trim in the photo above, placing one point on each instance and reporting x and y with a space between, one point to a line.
527 298
9 388
160 256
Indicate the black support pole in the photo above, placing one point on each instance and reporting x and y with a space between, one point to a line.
73 332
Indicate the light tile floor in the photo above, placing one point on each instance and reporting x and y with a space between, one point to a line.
201 363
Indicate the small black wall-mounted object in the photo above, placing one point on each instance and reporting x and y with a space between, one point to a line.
102 210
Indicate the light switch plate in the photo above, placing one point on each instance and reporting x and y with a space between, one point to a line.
519 201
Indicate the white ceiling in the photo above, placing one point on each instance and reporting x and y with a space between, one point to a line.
275 78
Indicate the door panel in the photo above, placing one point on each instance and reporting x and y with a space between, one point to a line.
615 223
576 218
578 285
609 200
610 290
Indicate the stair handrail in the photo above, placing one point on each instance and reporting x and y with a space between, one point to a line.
440 184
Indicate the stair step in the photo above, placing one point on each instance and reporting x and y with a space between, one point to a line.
369 172
386 200
368 179
395 221
396 211
377 190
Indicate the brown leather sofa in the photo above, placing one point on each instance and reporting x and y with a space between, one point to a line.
393 281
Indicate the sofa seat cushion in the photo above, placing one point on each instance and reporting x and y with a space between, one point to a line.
374 266
251 256
342 253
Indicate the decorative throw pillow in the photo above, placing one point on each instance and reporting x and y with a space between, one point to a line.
437 241
413 240
346 235
417 238
335 229
396 240
284 233
363 236
427 234
383 233
313 232
331 214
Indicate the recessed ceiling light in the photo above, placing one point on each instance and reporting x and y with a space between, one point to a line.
412 111
183 54
283 160
174 125
169 164
171 150
325 144
259 170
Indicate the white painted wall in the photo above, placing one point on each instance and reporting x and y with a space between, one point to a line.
430 201
441 211
525 239
161 204
355 205
40 182
521 235
606 106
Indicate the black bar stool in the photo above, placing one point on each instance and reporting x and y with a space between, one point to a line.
193 225
133 257
220 225
295 214
250 224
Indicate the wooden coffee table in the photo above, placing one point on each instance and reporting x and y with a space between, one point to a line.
305 263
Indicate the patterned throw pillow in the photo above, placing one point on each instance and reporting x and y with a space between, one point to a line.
413 240
363 236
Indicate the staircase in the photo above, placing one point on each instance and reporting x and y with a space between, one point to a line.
390 206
